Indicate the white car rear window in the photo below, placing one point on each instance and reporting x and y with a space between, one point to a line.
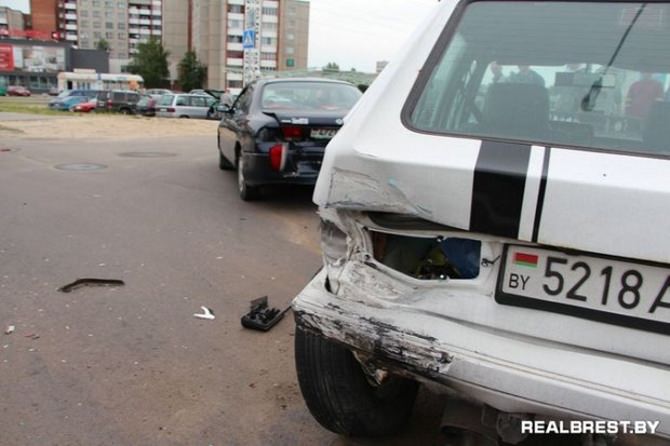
591 75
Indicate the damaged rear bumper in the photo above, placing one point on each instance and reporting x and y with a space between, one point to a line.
485 364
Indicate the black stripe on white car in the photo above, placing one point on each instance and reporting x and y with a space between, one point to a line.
498 188
533 195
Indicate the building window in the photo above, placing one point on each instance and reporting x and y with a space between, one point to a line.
235 84
235 24
83 13
109 4
95 3
97 35
109 35
84 43
268 56
121 25
84 23
96 14
289 50
269 27
109 25
121 36
122 17
236 9
234 39
121 4
268 41
269 11
97 25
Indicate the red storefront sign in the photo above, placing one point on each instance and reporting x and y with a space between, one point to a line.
6 57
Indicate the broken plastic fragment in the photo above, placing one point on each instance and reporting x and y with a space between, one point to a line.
10 329
207 314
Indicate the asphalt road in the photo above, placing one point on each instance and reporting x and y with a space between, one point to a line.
131 365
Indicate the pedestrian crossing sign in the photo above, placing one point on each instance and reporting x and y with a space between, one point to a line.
249 39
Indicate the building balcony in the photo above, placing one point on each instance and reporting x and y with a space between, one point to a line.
133 21
236 2
235 31
236 16
271 34
71 27
145 22
133 30
269 63
234 62
270 4
145 31
270 19
268 49
71 37
231 76
157 22
156 32
235 47
70 16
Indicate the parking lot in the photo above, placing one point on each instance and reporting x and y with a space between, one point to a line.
131 365
142 200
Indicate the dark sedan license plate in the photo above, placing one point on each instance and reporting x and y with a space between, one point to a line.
323 133
599 288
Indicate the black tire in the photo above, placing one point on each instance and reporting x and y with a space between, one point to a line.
247 193
339 395
224 164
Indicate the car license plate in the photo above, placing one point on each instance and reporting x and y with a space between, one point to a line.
323 133
599 288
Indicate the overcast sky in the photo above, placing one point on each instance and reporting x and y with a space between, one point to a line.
353 33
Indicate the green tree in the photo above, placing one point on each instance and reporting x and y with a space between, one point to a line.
150 62
331 66
102 45
191 72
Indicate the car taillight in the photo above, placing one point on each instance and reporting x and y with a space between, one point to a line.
292 132
278 157
171 110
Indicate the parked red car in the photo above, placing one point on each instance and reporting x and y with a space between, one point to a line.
17 90
85 107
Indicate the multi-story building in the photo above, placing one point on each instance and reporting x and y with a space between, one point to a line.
213 28
10 19
218 31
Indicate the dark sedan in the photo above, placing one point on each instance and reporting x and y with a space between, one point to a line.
277 130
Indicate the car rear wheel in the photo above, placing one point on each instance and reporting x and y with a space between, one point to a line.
224 164
247 193
342 397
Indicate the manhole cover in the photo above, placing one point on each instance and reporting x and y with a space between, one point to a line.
80 166
147 154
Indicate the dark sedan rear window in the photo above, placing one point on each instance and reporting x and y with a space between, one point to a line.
304 96
591 75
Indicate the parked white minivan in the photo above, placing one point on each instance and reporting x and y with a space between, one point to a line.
493 224
184 106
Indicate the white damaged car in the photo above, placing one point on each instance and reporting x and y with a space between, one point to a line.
493 225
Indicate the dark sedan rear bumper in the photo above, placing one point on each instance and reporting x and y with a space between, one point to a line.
298 171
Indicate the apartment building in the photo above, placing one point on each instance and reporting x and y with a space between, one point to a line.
218 30
123 24
10 19
213 28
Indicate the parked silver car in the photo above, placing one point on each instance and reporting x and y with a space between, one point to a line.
183 106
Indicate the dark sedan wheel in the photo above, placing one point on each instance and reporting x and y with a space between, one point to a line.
247 193
224 164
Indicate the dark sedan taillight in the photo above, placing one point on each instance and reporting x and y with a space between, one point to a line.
277 157
293 132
